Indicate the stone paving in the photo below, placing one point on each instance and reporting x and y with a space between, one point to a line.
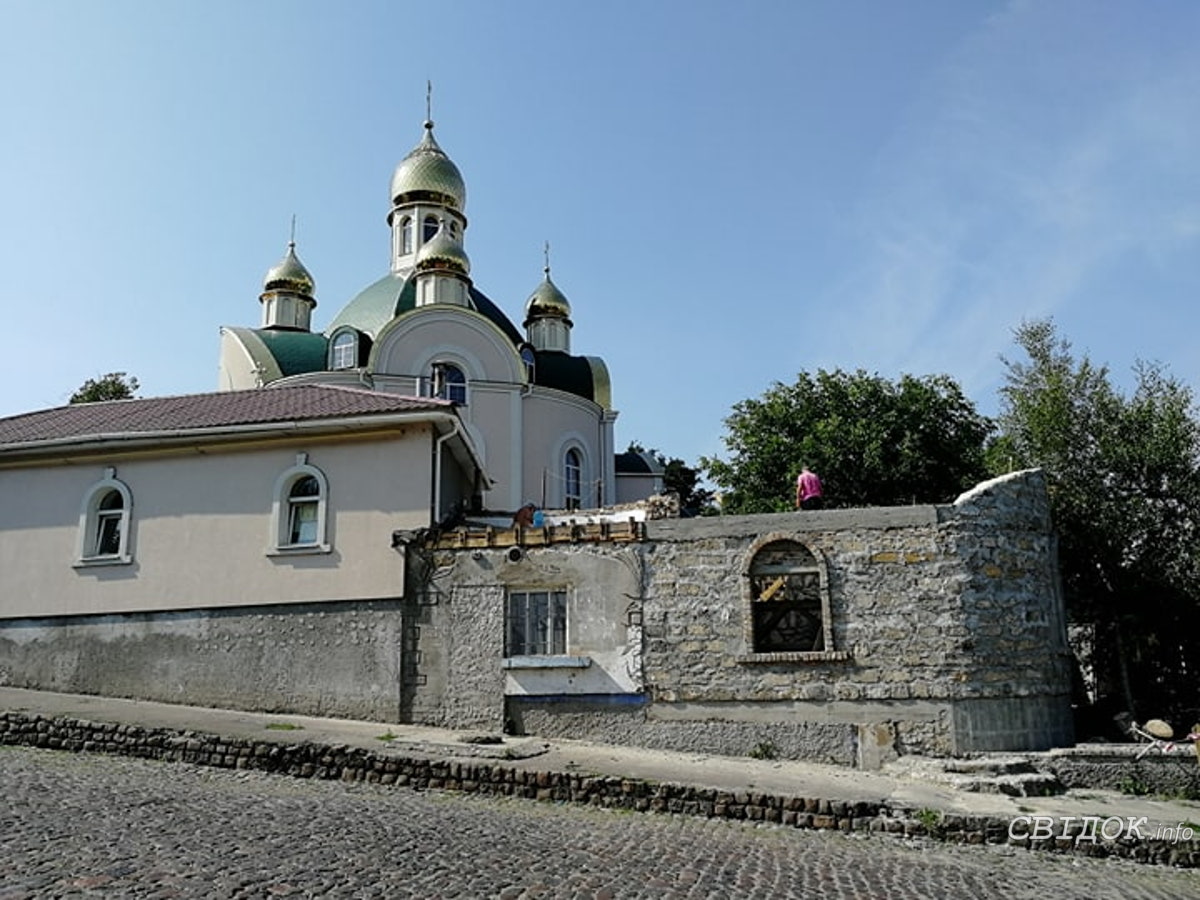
82 825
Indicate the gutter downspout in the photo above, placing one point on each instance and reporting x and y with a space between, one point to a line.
437 472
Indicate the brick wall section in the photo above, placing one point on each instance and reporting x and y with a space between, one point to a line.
338 762
1007 586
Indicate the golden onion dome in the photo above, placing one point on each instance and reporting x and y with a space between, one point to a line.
443 251
428 174
290 275
547 302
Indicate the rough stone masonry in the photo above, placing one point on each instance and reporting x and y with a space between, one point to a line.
943 633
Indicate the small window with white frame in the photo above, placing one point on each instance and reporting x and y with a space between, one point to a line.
449 383
536 623
343 350
104 523
304 502
572 479
300 512
529 357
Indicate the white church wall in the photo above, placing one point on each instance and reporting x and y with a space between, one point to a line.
489 411
555 421
414 341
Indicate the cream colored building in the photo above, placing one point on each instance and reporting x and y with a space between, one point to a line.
222 500
241 548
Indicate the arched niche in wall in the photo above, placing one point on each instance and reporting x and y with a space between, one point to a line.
786 604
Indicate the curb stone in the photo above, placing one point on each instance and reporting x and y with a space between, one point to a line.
309 759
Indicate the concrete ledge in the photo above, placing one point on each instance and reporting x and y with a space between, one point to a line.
799 711
881 517
547 662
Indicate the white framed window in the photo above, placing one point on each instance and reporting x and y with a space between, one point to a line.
449 383
300 512
406 236
304 502
572 479
104 523
343 351
536 623
429 229
529 357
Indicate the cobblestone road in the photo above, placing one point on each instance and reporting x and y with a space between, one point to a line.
90 825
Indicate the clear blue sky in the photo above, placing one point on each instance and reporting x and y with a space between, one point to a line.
732 191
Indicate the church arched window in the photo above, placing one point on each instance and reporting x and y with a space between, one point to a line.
429 229
572 479
343 351
449 382
406 236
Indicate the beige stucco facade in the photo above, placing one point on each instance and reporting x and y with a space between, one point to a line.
202 525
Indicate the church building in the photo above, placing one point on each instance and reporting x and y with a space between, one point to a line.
540 417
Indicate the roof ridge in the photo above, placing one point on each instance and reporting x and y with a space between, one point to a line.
204 411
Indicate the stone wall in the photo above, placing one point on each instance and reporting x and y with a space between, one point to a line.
1170 771
945 635
320 659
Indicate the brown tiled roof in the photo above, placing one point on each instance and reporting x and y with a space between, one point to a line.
194 412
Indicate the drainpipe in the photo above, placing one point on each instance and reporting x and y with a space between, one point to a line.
437 472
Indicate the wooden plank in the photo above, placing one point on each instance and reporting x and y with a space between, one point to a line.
773 588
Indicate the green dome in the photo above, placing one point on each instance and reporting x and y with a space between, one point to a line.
428 174
376 305
290 275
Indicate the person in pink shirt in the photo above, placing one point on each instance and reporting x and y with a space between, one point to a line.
808 490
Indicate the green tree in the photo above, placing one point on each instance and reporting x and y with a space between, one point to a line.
113 386
873 441
681 478
1125 493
